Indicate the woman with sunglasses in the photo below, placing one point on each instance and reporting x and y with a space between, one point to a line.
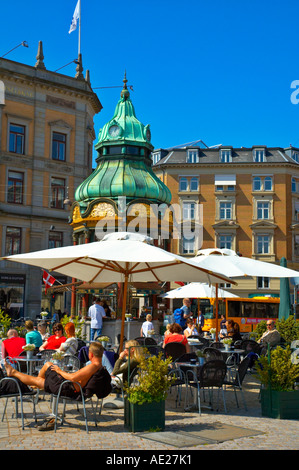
54 341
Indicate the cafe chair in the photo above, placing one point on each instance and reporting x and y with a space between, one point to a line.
174 350
47 354
250 345
211 375
11 387
217 345
94 386
180 380
70 363
212 353
237 381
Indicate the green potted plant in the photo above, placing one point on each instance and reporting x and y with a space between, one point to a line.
278 374
104 340
145 400
227 343
201 357
213 332
29 348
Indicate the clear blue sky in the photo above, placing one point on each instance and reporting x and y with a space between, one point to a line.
220 71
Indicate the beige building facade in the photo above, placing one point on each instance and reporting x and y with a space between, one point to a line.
46 140
248 199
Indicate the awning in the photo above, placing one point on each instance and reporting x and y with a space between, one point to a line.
225 180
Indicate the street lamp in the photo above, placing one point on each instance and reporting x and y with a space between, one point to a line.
23 43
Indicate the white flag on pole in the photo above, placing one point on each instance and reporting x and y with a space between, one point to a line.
75 18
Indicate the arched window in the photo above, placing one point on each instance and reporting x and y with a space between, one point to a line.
257 184
183 184
268 183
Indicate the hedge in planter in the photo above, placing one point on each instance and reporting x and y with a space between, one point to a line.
277 375
145 401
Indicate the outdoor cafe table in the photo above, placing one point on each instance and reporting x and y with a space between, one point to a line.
230 352
29 362
192 367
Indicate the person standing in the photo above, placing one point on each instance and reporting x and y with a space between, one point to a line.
96 313
147 326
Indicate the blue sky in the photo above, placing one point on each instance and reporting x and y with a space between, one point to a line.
220 71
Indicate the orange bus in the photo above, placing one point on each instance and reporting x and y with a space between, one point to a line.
247 312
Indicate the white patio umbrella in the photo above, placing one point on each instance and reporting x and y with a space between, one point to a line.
119 257
197 290
228 263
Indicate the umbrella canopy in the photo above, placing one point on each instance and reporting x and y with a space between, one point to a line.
284 293
227 262
197 290
119 257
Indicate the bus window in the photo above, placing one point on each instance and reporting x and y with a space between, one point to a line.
272 310
261 310
234 309
248 310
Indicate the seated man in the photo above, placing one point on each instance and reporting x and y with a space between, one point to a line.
271 336
13 345
51 376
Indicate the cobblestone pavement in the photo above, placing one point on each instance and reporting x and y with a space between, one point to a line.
111 435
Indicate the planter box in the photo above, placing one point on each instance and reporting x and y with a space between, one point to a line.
282 405
140 418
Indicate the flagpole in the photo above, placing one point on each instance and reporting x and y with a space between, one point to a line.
79 32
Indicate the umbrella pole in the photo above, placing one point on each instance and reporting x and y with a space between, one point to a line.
216 312
123 313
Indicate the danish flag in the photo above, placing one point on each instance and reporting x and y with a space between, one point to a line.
180 283
48 280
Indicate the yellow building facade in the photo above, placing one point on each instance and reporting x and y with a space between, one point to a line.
46 139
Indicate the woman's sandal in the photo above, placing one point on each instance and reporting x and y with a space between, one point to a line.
48 425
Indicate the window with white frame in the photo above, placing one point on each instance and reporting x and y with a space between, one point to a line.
225 155
192 156
262 183
225 241
156 157
189 210
263 282
263 209
295 156
225 210
259 155
188 245
263 244
188 183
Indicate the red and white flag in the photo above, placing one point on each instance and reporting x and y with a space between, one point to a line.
48 280
180 283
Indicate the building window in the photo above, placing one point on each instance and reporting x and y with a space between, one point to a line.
263 244
225 156
225 241
259 156
57 193
156 157
188 184
225 210
263 282
13 241
295 185
183 186
189 210
263 209
262 184
194 184
188 245
17 138
295 156
15 184
59 146
55 239
192 156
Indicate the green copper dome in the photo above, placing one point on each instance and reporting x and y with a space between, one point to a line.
124 160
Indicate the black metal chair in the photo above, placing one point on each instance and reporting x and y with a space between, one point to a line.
11 387
174 350
236 383
250 345
217 345
211 375
70 362
212 353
